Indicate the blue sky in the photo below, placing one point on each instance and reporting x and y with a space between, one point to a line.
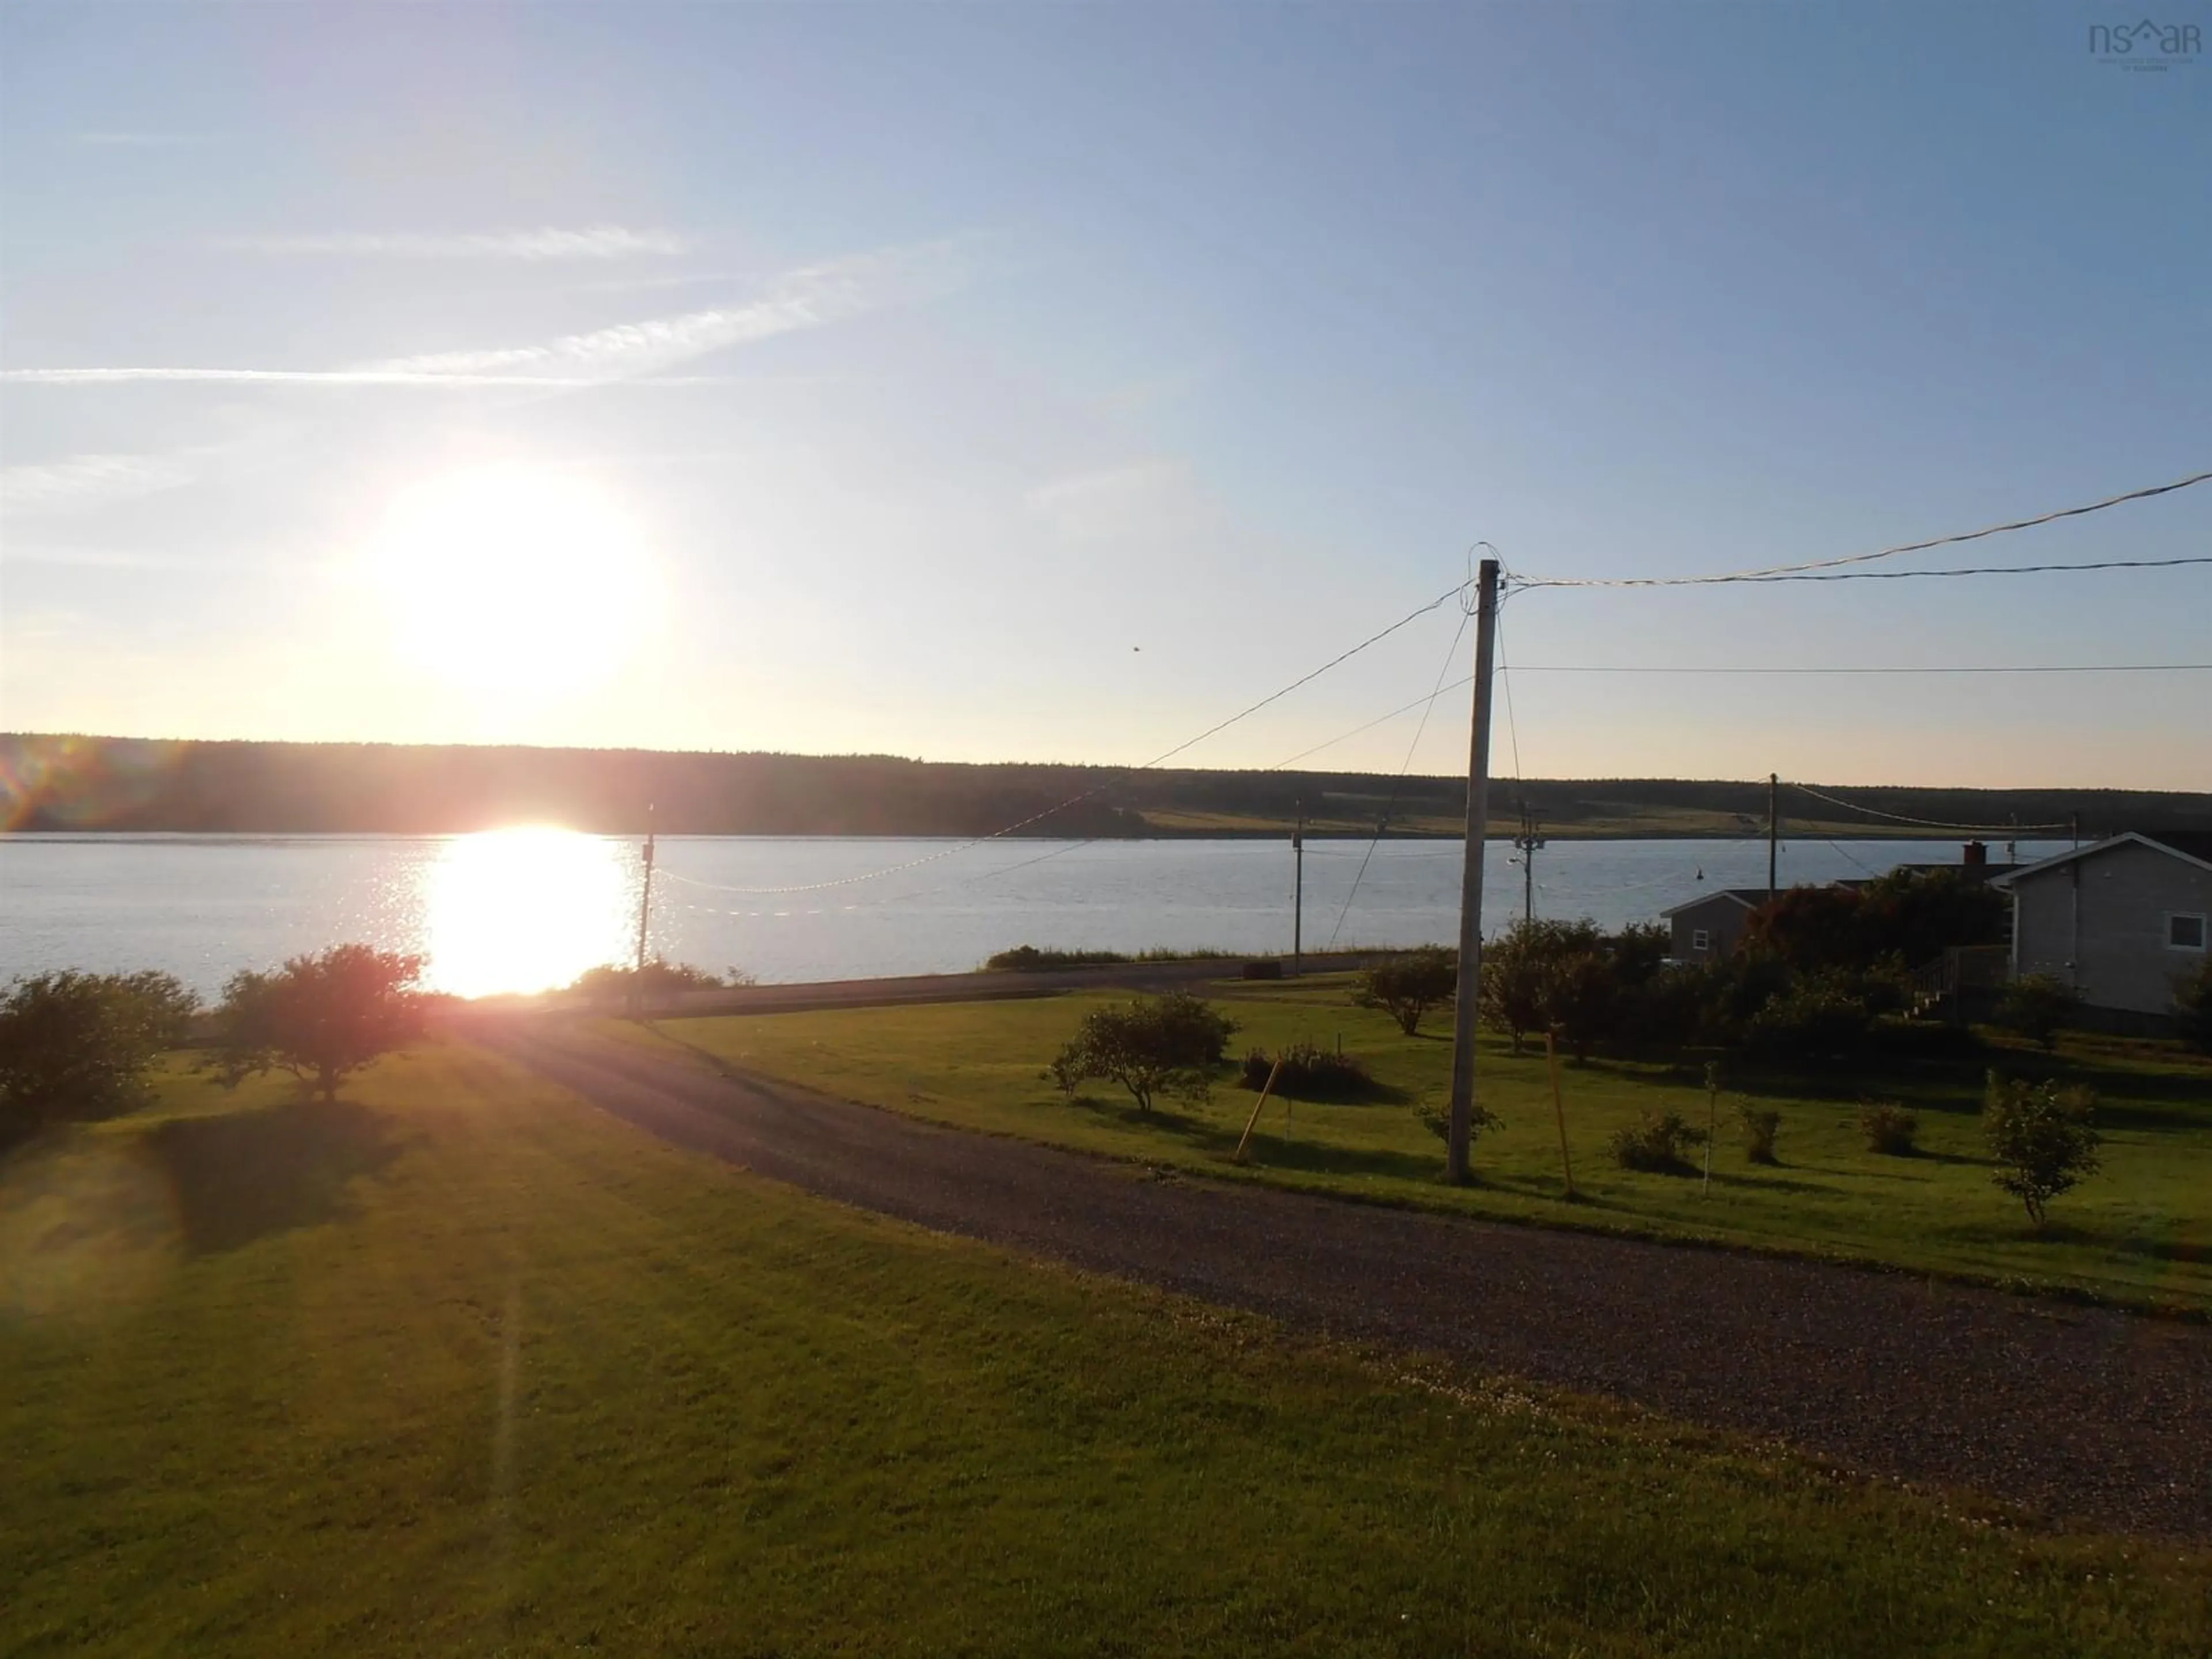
996 382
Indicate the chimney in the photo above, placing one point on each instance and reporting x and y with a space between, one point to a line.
1977 865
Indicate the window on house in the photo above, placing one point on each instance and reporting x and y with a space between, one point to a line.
1701 940
2185 930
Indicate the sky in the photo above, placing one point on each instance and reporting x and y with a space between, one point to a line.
1050 382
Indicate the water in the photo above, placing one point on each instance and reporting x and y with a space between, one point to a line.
519 910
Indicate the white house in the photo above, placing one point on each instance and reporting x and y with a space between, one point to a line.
2120 921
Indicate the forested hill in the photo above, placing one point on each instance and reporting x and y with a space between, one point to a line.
79 783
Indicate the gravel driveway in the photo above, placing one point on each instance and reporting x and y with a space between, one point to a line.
2080 1413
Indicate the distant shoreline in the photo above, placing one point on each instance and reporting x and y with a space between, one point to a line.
61 784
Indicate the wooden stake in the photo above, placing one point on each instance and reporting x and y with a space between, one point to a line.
1559 1110
1265 1089
1712 1121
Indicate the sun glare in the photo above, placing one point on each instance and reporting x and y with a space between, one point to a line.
521 910
513 578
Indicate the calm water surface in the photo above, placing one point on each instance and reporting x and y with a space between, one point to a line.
526 909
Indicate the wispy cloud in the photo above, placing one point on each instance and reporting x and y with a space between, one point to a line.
84 481
590 242
1106 505
121 558
633 353
127 140
321 377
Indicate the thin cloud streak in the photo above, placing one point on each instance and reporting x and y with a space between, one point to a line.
120 140
630 354
806 299
534 246
334 377
80 481
124 558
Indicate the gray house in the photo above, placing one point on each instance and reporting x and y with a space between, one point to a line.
2119 921
1708 928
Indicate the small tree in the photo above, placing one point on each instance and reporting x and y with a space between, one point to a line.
2039 1006
1759 1125
320 1017
2192 1000
2044 1138
1409 984
75 1046
1155 1045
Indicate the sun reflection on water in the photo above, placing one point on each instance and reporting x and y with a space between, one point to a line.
521 911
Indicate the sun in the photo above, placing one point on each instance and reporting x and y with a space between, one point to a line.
513 578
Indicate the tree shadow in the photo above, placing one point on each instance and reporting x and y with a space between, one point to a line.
2198 1251
246 1174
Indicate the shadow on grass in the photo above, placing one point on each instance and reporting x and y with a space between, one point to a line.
2198 1251
1369 1093
1270 1145
243 1176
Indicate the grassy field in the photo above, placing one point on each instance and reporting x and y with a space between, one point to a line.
2140 1232
459 1364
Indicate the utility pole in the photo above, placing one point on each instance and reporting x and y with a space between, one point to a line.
1470 891
644 913
1773 828
1528 840
1298 894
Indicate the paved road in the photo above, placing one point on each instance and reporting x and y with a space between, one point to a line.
2087 1413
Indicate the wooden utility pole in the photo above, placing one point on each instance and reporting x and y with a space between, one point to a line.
1470 891
1773 828
1298 895
1528 840
644 913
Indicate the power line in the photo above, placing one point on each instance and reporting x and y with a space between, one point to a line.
1975 570
1924 824
1669 668
1900 668
1776 573
1391 801
1096 789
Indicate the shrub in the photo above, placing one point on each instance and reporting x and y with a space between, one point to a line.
1660 1144
77 1045
2039 1006
1816 1020
1889 1129
2192 1000
2044 1138
1311 1072
1170 1043
1409 984
1027 959
320 1017
1436 1120
611 984
1759 1125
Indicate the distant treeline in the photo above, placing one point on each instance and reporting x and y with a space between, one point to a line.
79 783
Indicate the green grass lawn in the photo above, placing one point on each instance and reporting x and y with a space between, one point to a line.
2139 1232
459 1364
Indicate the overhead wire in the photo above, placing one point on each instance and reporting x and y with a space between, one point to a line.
1466 680
1391 800
1079 799
1780 572
1924 824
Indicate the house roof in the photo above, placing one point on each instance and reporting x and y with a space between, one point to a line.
1750 897
2190 846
